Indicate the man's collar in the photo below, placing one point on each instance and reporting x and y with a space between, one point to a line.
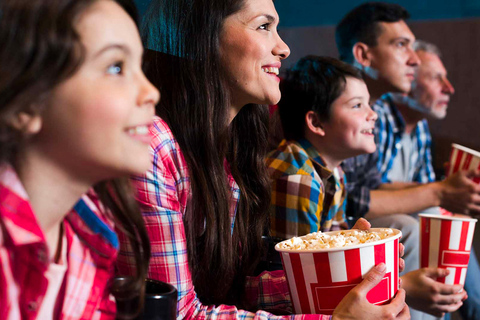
386 102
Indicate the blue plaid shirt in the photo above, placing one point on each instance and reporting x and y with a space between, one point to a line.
390 127
368 171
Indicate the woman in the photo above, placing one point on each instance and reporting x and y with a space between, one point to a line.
206 197
75 108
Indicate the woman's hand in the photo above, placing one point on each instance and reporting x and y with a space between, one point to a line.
356 306
427 295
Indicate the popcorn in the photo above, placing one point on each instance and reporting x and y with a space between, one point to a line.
321 268
341 239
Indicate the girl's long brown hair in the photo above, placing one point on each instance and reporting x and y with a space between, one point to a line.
40 49
185 65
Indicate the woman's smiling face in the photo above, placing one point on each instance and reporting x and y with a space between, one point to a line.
251 52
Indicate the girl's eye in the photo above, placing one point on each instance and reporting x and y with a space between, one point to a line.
115 68
265 26
358 105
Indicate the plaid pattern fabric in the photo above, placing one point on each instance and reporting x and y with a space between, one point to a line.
91 252
306 195
390 127
362 175
163 194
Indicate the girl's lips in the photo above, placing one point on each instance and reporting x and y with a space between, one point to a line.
140 132
368 132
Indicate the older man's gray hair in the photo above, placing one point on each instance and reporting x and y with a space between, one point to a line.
420 45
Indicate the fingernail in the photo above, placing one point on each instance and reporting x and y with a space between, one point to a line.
381 267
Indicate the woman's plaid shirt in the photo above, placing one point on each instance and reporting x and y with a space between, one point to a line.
163 194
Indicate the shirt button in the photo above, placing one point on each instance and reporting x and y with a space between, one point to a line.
32 306
398 145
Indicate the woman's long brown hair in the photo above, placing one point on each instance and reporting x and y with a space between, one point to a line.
40 49
185 65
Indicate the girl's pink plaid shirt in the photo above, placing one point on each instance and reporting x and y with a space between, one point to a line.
91 251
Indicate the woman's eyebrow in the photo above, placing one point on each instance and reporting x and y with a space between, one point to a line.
113 46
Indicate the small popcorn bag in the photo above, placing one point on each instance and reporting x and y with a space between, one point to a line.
321 268
445 242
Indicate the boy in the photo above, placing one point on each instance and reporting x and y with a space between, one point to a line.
326 118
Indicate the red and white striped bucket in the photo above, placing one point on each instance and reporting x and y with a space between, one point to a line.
463 158
319 279
445 242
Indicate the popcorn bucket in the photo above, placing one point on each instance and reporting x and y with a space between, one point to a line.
319 279
463 158
445 242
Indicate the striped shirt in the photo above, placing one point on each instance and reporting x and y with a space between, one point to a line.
163 194
24 259
306 195
390 127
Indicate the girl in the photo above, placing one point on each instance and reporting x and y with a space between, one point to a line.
205 199
75 109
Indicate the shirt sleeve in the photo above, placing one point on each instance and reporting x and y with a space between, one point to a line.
269 291
362 175
161 194
296 206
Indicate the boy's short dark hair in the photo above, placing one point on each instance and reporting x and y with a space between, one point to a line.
312 84
362 25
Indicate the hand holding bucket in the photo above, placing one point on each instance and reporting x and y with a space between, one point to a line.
319 279
445 242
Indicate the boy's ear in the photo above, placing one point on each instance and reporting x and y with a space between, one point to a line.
29 122
361 54
313 123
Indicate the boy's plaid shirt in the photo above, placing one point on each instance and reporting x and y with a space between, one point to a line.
91 252
306 195
163 194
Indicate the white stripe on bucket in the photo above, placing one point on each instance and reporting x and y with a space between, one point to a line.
310 275
455 233
293 287
367 259
435 225
475 163
471 229
463 160
338 268
463 275
450 279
